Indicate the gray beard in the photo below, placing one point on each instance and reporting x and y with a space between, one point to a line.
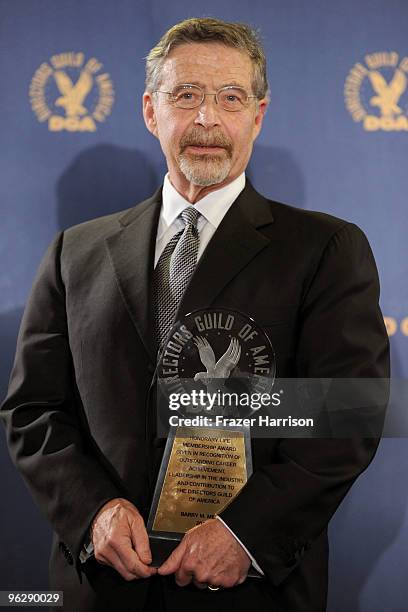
205 172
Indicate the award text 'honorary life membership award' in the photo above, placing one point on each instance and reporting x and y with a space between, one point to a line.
211 364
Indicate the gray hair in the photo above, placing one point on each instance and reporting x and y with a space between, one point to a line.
237 35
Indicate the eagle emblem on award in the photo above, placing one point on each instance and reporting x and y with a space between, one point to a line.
209 366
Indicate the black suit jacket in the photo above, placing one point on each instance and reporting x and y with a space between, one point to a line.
77 404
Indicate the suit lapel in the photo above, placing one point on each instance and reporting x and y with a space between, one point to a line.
235 243
131 251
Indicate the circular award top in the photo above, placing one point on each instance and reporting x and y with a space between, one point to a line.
216 353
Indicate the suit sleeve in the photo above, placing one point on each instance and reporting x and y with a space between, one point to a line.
47 436
286 504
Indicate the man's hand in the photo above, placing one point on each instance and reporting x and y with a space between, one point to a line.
208 554
120 540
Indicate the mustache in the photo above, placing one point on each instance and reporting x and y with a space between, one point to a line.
197 138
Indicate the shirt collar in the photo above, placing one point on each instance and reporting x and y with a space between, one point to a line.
212 207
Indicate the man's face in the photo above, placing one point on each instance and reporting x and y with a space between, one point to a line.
206 145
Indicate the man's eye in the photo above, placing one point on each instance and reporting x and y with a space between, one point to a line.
185 96
233 97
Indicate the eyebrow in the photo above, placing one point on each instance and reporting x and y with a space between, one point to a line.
232 83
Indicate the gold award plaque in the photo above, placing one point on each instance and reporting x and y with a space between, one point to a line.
206 470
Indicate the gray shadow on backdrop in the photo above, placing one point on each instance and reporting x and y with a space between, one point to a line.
105 179
102 180
357 542
275 173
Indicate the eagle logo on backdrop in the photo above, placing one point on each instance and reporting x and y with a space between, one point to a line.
376 92
71 93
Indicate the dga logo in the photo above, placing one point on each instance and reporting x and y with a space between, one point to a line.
71 94
376 92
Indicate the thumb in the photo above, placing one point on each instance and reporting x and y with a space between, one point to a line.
172 564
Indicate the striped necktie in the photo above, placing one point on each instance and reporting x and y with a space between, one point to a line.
173 272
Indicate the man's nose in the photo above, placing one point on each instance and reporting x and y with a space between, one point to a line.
208 112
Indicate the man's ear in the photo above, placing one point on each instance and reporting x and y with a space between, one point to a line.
262 106
149 114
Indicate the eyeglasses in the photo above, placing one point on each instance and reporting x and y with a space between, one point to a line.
230 98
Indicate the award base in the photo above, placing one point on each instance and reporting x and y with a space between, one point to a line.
202 470
209 361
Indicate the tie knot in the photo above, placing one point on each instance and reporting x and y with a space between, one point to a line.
190 216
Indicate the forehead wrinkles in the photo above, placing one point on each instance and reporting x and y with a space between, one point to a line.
211 67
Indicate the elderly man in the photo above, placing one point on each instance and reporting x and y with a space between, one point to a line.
77 403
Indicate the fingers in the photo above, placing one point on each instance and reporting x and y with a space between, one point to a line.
120 540
140 540
133 563
171 565
129 568
183 565
200 585
184 576
190 571
208 554
112 560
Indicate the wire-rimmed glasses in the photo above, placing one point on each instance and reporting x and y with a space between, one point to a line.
231 98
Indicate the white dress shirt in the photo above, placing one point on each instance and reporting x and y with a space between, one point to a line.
213 207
